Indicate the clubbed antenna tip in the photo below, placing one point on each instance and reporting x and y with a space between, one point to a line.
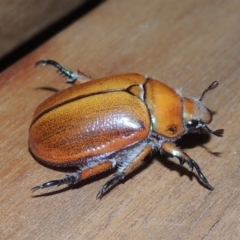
211 87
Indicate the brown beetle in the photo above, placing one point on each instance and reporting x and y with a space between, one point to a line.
113 123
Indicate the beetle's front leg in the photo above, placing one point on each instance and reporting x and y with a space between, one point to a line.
170 148
72 77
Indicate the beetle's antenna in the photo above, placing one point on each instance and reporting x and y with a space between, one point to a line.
71 76
212 86
218 133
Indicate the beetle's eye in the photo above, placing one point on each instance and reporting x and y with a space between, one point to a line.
192 125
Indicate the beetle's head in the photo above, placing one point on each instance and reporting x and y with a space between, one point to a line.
196 115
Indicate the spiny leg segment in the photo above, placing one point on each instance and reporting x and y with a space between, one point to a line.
170 148
125 170
72 77
77 176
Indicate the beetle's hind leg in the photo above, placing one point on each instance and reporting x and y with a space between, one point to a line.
72 77
77 176
170 148
126 165
69 179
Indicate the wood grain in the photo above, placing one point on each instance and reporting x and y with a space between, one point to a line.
19 22
186 44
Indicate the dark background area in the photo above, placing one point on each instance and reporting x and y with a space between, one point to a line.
24 27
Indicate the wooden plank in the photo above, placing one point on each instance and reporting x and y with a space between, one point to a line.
186 44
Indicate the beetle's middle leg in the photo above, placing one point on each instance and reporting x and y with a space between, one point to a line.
170 148
125 167
72 77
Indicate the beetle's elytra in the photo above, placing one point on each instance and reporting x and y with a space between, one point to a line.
113 123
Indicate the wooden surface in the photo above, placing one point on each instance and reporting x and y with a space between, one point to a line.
186 44
29 19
